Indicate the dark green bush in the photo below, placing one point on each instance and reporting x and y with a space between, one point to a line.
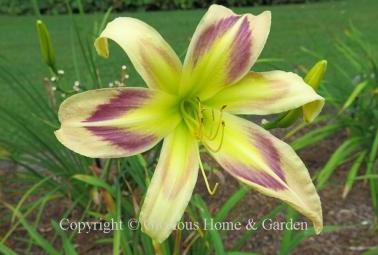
20 7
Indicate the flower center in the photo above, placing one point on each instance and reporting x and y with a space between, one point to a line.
204 123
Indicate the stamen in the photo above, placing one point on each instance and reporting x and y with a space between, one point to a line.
194 118
189 120
220 143
200 133
211 191
212 123
212 137
200 119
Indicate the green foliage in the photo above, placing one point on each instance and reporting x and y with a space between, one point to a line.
19 7
39 240
338 157
372 251
98 189
355 102
111 189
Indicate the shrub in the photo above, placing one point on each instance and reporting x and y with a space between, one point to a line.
53 7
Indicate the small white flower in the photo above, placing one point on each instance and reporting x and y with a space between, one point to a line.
124 67
61 72
76 83
53 88
127 76
63 95
111 84
53 79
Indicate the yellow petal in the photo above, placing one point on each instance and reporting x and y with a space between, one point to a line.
313 78
116 122
222 50
150 54
257 158
172 185
312 110
266 93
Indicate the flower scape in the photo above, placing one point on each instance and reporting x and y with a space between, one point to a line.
195 104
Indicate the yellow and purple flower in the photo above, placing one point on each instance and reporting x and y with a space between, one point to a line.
194 104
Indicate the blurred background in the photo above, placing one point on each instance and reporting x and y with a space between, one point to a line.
42 182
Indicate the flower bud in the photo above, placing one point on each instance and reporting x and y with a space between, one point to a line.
47 51
316 74
314 78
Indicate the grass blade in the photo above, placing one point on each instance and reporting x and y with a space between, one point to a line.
215 237
241 253
352 173
303 235
40 241
357 90
341 153
288 233
372 251
26 195
230 203
238 244
6 250
370 165
104 20
314 136
93 180
68 246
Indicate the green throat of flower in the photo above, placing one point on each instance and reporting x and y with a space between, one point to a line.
204 123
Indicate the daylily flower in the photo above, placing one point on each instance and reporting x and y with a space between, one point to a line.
191 105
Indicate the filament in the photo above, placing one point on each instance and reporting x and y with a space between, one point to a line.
217 149
211 191
212 135
195 119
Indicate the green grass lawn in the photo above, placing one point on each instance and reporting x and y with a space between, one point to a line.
314 26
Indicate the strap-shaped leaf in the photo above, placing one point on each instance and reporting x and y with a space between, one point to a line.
94 181
314 136
356 91
352 173
336 159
